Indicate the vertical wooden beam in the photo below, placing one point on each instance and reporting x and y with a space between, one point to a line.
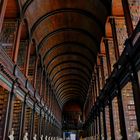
32 123
127 16
95 88
102 71
41 82
22 119
136 93
98 79
107 56
104 124
17 41
45 85
27 58
114 35
2 12
100 131
40 123
135 83
46 126
94 128
111 121
46 130
8 113
121 114
35 72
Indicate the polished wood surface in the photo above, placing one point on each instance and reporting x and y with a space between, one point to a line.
67 35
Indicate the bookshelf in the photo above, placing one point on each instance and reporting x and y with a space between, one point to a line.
17 107
8 35
31 69
22 55
27 120
36 124
3 108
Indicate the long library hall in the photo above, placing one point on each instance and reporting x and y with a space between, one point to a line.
69 69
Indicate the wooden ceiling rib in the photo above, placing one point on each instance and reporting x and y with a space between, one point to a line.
65 36
67 76
70 96
68 70
69 83
64 64
67 10
72 86
75 30
68 73
48 60
69 63
68 35
70 91
69 45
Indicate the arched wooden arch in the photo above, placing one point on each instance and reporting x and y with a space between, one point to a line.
117 8
64 41
108 29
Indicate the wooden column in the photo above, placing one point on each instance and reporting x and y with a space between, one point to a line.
102 71
2 12
17 41
127 16
8 113
27 59
96 127
104 124
135 83
136 94
100 131
121 114
22 119
45 85
32 123
95 88
35 73
114 35
107 56
98 79
40 122
46 126
111 121
41 82
93 128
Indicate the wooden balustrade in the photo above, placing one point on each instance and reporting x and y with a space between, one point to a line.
121 71
22 84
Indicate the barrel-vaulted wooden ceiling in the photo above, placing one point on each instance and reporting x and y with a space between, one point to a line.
67 34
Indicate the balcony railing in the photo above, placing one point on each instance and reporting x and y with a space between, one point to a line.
12 72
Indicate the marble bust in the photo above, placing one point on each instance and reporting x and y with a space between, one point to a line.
35 137
25 136
41 137
46 138
11 136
